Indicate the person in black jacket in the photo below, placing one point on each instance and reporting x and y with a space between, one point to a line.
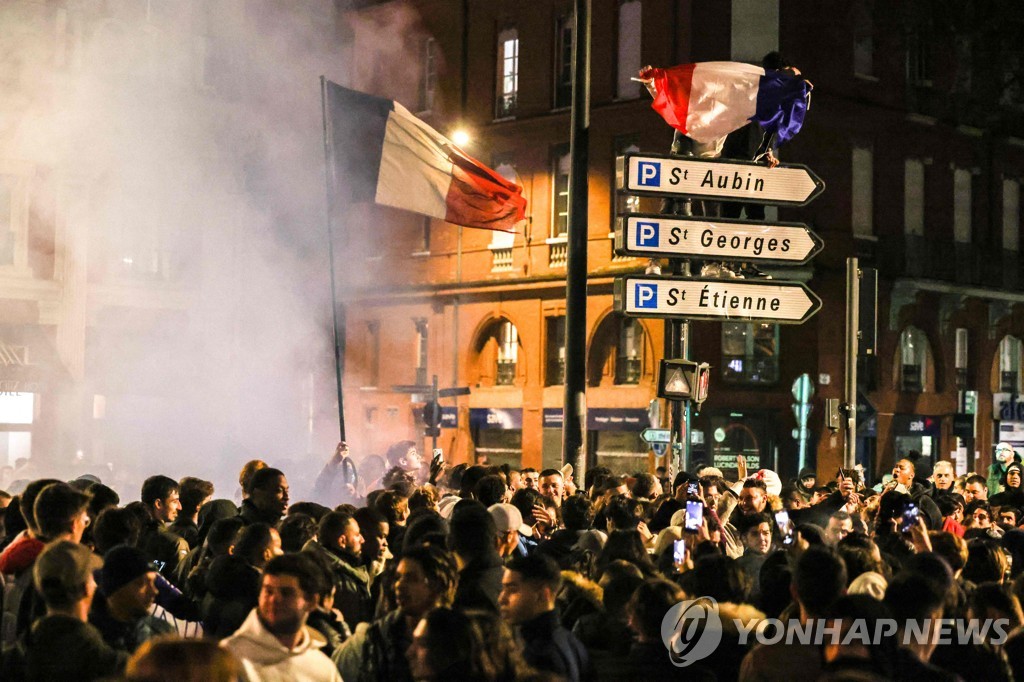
233 581
473 539
267 497
62 645
528 590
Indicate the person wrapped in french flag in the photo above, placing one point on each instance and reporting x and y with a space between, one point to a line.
708 100
381 153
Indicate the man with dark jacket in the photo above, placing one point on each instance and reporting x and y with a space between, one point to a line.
62 645
166 549
267 498
233 580
472 537
340 542
128 588
194 493
527 601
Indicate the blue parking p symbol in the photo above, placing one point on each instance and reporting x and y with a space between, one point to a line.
646 234
646 296
649 174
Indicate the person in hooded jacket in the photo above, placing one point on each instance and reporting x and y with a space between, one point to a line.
1013 494
233 581
275 643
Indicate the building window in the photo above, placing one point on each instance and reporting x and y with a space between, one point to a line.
914 356
423 240
8 228
755 29
863 40
918 59
374 352
428 83
629 359
555 369
750 353
962 186
563 61
508 72
420 350
626 144
508 354
913 197
630 25
1010 349
560 191
1011 215
862 192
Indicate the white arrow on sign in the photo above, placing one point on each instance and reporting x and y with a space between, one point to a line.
791 184
719 239
715 299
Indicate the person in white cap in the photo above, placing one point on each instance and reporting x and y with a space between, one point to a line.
509 523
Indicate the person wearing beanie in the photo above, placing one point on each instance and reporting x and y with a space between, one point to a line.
62 645
804 483
1013 494
127 592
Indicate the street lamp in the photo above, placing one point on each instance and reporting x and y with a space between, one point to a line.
460 137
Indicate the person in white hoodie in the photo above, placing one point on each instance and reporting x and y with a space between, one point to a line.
274 643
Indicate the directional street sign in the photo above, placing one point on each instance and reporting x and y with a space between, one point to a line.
657 236
652 436
715 299
655 174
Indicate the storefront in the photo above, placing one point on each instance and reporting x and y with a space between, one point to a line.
915 432
613 438
1008 420
29 371
497 434
719 437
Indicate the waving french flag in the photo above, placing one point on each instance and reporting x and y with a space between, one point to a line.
709 100
382 153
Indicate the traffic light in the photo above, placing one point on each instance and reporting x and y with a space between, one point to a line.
432 419
684 380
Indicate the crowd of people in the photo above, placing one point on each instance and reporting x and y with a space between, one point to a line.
423 571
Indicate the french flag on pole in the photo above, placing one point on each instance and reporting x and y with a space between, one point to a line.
709 100
382 153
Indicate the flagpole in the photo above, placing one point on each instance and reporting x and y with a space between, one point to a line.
574 424
337 310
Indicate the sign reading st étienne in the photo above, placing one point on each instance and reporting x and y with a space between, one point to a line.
715 299
654 174
656 236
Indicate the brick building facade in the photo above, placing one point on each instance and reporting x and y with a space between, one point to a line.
922 183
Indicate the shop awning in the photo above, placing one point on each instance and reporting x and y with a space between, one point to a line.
28 359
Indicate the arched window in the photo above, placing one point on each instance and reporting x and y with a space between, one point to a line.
914 359
629 360
1006 375
495 356
617 353
508 354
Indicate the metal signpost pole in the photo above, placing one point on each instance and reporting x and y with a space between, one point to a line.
574 445
852 317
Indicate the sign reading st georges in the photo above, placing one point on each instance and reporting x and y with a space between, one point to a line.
790 184
715 299
716 238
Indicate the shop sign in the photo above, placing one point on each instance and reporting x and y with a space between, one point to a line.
1007 407
506 419
602 419
915 425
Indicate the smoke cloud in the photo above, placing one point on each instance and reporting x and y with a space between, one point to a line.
179 146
